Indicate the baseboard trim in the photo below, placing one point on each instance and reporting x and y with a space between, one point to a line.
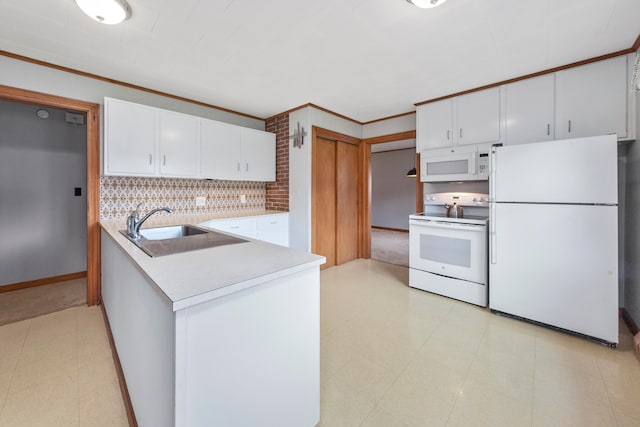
44 281
389 229
631 324
126 398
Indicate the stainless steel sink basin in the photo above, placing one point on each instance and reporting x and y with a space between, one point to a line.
161 241
173 232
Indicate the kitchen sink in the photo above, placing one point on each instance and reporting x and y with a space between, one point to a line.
173 232
161 241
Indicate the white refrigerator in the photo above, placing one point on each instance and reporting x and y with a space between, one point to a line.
553 234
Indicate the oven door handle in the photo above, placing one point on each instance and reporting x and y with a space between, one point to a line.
447 225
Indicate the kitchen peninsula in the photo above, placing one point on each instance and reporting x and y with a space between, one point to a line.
227 335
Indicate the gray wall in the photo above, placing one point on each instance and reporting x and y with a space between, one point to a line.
393 195
43 226
632 226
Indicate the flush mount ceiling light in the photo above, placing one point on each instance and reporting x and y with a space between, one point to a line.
105 11
426 4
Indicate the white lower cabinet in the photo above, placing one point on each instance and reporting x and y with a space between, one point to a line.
273 228
241 226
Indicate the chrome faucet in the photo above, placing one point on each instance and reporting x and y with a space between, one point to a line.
134 223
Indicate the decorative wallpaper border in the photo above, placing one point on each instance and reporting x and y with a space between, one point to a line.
119 195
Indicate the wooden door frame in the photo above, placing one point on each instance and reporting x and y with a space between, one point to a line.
318 132
92 111
366 180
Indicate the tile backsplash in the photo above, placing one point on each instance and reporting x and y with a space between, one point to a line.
119 195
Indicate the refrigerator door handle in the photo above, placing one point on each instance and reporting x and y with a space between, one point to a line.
493 238
493 235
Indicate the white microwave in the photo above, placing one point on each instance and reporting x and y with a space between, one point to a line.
463 163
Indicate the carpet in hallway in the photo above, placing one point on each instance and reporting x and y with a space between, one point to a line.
390 246
32 302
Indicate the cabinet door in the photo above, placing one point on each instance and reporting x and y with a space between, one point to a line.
273 229
434 127
258 155
529 110
478 117
178 144
220 150
242 226
130 139
592 99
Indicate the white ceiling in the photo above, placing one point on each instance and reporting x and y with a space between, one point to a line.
365 59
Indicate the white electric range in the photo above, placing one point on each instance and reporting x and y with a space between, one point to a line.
449 256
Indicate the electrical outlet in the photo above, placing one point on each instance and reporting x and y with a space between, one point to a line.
243 198
201 201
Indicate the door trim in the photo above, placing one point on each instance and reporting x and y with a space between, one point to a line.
366 179
92 111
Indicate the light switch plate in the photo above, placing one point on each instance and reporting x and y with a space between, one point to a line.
243 198
201 201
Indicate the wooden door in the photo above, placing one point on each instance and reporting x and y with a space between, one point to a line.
324 199
346 202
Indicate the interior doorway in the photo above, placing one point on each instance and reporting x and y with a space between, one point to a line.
336 201
91 111
387 139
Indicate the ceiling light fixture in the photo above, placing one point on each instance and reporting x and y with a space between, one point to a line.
426 4
105 11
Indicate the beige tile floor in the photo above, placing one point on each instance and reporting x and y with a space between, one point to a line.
395 356
57 370
391 356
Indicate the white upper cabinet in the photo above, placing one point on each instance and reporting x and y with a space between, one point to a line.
434 125
178 144
236 153
473 118
130 139
220 150
147 141
529 106
258 155
592 99
478 117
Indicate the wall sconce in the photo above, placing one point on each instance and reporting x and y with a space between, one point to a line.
298 136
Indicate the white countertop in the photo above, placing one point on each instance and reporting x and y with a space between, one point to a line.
193 277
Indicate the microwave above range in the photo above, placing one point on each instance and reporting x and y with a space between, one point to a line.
461 163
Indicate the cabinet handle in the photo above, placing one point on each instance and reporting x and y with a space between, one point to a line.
238 166
448 132
273 222
569 126
548 129
234 227
460 132
150 159
164 160
247 167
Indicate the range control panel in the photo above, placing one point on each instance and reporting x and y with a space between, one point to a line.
461 199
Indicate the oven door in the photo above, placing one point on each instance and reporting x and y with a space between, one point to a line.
449 249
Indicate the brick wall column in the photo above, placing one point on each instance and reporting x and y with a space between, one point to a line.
277 197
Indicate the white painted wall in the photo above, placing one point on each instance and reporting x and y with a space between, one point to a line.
300 169
26 75
393 195
42 224
387 127
632 226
